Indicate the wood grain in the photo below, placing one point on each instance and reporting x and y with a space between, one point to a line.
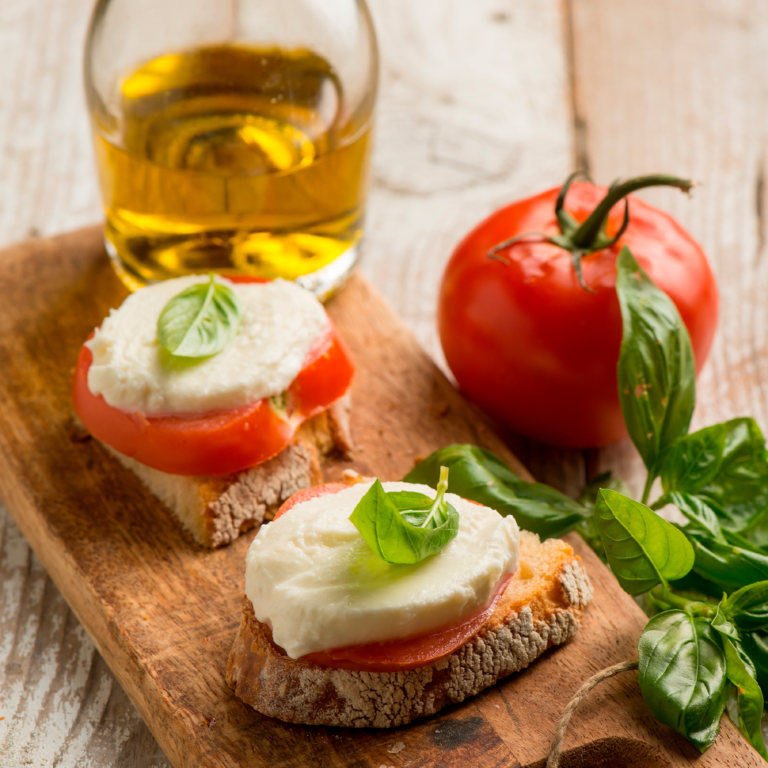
163 612
677 85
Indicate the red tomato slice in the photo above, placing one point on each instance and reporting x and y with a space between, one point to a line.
411 652
224 441
395 655
307 494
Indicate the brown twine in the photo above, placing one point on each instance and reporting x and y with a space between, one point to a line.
557 743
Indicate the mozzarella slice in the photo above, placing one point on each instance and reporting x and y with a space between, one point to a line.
280 324
314 580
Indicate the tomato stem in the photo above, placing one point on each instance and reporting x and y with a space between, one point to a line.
589 235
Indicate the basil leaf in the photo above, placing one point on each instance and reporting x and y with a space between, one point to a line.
682 675
726 466
587 529
694 460
747 608
404 537
656 371
478 475
405 500
642 549
755 645
414 507
741 673
724 625
741 485
729 565
200 321
698 512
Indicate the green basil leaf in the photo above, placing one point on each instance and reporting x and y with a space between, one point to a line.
643 550
404 537
682 675
406 500
699 513
200 321
724 625
414 507
588 529
478 475
755 645
729 565
694 460
740 486
656 371
741 673
747 608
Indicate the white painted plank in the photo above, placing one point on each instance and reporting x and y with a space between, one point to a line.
681 86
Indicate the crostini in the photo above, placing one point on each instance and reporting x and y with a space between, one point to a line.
332 633
222 395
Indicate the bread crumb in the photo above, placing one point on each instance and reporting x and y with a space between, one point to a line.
399 747
351 477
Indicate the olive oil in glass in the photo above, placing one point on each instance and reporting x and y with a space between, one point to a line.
232 160
235 157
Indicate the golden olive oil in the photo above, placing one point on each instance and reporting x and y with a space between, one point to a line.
234 160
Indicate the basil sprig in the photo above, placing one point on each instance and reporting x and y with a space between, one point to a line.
200 321
404 526
707 579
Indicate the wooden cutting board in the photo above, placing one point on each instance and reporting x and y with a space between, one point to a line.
163 612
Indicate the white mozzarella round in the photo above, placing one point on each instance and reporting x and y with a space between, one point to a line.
313 579
280 324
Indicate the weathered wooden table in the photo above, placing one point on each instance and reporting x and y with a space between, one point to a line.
480 103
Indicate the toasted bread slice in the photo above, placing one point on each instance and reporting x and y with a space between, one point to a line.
216 509
540 608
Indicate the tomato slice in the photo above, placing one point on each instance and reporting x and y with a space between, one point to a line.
395 655
411 652
307 494
224 441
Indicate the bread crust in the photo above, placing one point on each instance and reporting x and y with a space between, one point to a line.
541 607
216 509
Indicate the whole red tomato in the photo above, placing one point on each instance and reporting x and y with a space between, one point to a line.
535 349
